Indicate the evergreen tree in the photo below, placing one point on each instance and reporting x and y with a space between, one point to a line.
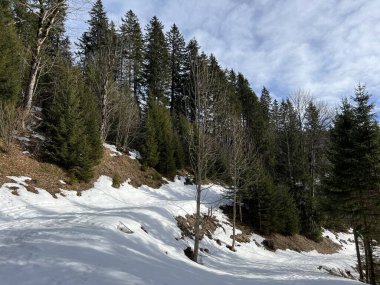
96 38
10 52
249 103
192 54
160 140
353 182
98 50
265 102
71 128
156 63
177 52
131 55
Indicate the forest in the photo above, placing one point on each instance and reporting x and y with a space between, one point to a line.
292 165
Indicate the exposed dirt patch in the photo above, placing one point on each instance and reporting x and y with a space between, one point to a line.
127 168
242 238
18 162
300 243
186 225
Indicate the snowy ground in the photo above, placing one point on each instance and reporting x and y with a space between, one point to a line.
74 240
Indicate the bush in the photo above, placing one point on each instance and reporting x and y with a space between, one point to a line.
116 180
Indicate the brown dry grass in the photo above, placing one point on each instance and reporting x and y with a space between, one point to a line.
128 168
46 175
300 243
296 242
186 225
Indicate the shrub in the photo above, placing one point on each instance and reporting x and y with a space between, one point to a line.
116 180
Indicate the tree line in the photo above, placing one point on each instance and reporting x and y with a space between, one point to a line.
291 165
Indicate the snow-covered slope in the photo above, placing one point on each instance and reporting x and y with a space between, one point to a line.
75 240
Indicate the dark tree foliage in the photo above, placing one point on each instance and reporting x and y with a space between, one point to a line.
10 53
131 55
71 126
162 149
352 187
177 53
156 63
96 37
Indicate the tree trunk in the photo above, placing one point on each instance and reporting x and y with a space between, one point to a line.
197 222
313 171
240 211
370 270
32 83
289 159
46 20
360 269
366 260
234 218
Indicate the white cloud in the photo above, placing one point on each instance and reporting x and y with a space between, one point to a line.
324 46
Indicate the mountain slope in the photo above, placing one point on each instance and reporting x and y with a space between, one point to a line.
75 240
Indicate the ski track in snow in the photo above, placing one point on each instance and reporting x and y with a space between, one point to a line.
74 240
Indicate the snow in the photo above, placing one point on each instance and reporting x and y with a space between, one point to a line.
112 148
23 139
134 154
76 240
39 136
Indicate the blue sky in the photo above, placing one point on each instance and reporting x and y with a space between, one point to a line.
323 46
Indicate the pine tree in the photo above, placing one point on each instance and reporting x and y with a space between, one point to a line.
156 63
177 52
353 183
160 140
96 38
192 54
10 52
367 176
98 50
71 129
131 55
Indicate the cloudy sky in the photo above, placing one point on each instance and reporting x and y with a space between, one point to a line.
324 46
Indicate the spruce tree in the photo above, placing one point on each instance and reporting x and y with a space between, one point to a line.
156 63
160 140
96 37
177 52
131 55
353 182
72 131
192 54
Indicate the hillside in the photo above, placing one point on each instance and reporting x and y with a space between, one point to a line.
75 240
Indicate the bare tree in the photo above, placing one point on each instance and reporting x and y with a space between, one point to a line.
126 119
301 100
101 73
47 13
202 135
235 152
